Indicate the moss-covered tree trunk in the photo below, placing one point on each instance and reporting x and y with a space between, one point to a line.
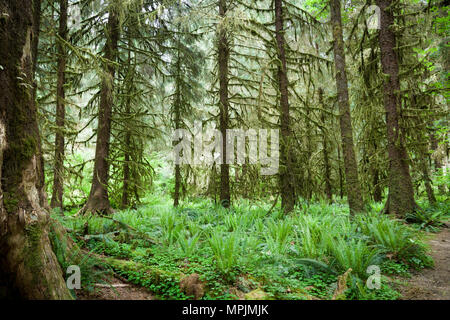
340 174
126 188
401 193
377 193
354 193
437 160
223 61
58 170
43 199
28 266
287 186
177 114
176 196
376 174
98 200
426 175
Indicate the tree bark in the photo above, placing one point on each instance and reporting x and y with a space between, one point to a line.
223 60
354 194
58 174
98 200
28 266
401 193
287 186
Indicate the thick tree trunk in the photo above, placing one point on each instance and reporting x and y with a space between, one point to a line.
354 194
58 174
287 186
28 266
98 200
224 57
401 193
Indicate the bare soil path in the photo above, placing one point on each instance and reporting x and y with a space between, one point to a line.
117 289
433 283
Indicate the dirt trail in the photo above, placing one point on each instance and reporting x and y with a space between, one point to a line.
432 284
119 289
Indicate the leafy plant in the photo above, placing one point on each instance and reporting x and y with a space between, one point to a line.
188 243
354 254
225 250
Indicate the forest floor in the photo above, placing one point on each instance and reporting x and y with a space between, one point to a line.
428 284
432 283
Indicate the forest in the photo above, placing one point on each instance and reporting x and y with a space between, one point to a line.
224 150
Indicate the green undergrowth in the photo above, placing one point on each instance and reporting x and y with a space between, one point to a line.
245 248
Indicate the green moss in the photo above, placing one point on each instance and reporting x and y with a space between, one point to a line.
17 157
33 234
25 148
32 254
10 202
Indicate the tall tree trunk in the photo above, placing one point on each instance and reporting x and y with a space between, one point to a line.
58 174
354 194
401 193
326 161
426 176
437 161
341 178
427 181
34 51
176 196
377 192
126 170
28 266
287 186
98 200
127 147
224 57
309 152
